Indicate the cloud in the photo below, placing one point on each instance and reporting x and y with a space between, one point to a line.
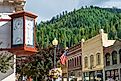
101 3
111 3
46 9
90 2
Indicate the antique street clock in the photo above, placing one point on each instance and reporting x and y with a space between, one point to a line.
23 32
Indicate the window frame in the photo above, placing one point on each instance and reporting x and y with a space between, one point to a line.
98 58
107 60
91 60
85 62
114 60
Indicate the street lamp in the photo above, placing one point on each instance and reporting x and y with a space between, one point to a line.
55 43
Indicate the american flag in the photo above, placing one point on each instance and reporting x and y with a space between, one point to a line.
63 58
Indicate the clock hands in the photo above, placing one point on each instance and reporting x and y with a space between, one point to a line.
18 40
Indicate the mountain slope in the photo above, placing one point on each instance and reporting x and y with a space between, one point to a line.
70 28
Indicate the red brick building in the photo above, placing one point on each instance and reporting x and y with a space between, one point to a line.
75 62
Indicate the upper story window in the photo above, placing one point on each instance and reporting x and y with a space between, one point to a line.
98 59
91 61
86 62
107 59
72 64
120 55
80 60
75 62
68 63
114 57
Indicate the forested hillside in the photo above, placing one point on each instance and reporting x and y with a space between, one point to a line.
70 28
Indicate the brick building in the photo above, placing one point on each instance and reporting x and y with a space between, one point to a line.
112 56
75 63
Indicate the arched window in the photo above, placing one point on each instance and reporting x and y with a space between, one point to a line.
107 59
91 61
75 61
114 57
72 62
120 55
80 60
98 59
86 62
68 63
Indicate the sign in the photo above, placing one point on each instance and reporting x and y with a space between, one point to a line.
55 72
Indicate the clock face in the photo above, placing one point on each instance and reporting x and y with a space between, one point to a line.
18 23
29 33
18 31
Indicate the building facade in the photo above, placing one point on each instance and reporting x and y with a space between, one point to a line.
7 7
64 72
74 63
113 61
92 57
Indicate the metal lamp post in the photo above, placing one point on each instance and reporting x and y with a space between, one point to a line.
55 43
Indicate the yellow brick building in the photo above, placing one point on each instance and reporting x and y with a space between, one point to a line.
92 56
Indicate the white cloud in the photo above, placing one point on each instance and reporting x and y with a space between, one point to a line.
46 9
111 3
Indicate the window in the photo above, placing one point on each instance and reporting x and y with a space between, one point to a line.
75 61
91 61
80 60
107 59
120 55
86 62
98 59
68 64
72 62
114 57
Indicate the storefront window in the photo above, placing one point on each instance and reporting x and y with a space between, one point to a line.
107 56
107 75
114 57
112 74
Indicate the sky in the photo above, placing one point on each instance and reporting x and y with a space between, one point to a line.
46 9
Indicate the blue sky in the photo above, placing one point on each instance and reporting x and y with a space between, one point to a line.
46 9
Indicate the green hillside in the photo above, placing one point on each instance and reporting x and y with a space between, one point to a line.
70 28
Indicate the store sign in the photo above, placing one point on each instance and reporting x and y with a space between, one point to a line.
55 73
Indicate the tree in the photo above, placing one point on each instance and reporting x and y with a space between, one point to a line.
39 64
6 61
83 23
